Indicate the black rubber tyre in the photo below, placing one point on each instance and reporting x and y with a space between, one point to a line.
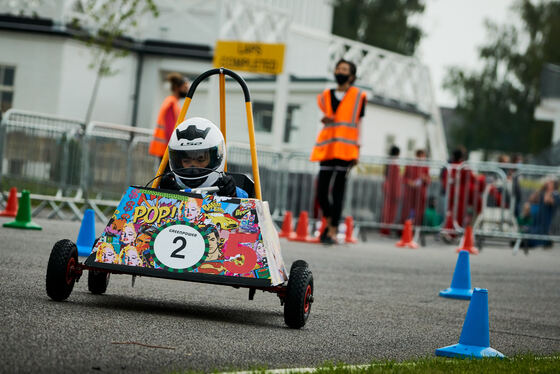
97 282
299 297
60 280
298 264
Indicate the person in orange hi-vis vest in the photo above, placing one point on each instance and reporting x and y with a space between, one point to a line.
168 114
337 147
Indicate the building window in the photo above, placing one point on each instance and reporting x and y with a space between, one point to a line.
389 142
7 78
410 145
262 113
290 122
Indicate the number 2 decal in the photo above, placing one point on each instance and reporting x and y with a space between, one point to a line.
235 248
175 253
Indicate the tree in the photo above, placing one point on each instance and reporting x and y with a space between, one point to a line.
103 25
106 25
381 23
497 103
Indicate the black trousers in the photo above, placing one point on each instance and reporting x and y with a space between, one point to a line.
331 186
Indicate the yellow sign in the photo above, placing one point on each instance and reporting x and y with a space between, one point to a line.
252 57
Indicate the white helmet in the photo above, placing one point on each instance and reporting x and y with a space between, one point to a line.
197 153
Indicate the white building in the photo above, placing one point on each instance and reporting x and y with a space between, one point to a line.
549 106
44 68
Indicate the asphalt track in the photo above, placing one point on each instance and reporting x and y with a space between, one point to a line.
372 301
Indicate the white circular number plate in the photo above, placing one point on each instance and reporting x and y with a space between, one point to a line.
179 247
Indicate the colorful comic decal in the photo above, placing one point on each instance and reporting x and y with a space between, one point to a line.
187 233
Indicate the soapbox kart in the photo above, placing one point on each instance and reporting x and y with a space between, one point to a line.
195 236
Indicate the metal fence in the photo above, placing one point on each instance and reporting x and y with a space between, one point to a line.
40 151
115 156
69 167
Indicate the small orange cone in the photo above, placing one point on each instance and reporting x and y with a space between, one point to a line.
406 238
12 206
287 230
302 229
468 242
350 230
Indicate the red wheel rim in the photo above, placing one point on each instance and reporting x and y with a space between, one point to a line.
70 270
307 302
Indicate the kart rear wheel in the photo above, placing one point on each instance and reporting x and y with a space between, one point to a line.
97 282
299 297
60 270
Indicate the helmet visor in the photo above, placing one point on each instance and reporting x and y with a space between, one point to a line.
193 164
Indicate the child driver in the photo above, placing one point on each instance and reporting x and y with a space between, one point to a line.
197 157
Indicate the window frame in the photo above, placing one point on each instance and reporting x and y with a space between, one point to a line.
5 88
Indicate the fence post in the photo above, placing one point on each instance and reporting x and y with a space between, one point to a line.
128 175
84 185
2 135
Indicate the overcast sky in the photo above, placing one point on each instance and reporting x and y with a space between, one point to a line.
454 29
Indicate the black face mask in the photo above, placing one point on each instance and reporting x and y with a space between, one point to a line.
182 94
341 78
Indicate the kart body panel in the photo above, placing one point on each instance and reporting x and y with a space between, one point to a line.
192 237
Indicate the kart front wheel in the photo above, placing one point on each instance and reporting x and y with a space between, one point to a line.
97 282
61 274
298 264
299 297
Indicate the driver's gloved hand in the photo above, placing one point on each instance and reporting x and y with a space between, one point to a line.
226 186
168 182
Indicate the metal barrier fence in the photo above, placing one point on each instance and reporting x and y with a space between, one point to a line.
40 151
70 167
239 161
115 157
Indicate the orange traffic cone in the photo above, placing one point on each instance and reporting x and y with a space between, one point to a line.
287 230
12 206
468 242
302 229
350 230
406 238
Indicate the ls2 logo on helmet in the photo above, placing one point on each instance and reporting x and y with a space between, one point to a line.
192 132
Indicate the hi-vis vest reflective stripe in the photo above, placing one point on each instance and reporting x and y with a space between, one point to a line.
339 140
159 141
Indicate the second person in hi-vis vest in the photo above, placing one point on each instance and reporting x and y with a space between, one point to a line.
168 113
337 147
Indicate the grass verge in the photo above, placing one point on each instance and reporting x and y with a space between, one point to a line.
526 363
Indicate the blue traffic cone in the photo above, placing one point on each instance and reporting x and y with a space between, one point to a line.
475 336
86 237
461 282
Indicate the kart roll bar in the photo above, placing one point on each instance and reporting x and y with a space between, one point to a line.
248 107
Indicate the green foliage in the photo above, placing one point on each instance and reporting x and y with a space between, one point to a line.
382 23
497 103
525 363
106 24
518 364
